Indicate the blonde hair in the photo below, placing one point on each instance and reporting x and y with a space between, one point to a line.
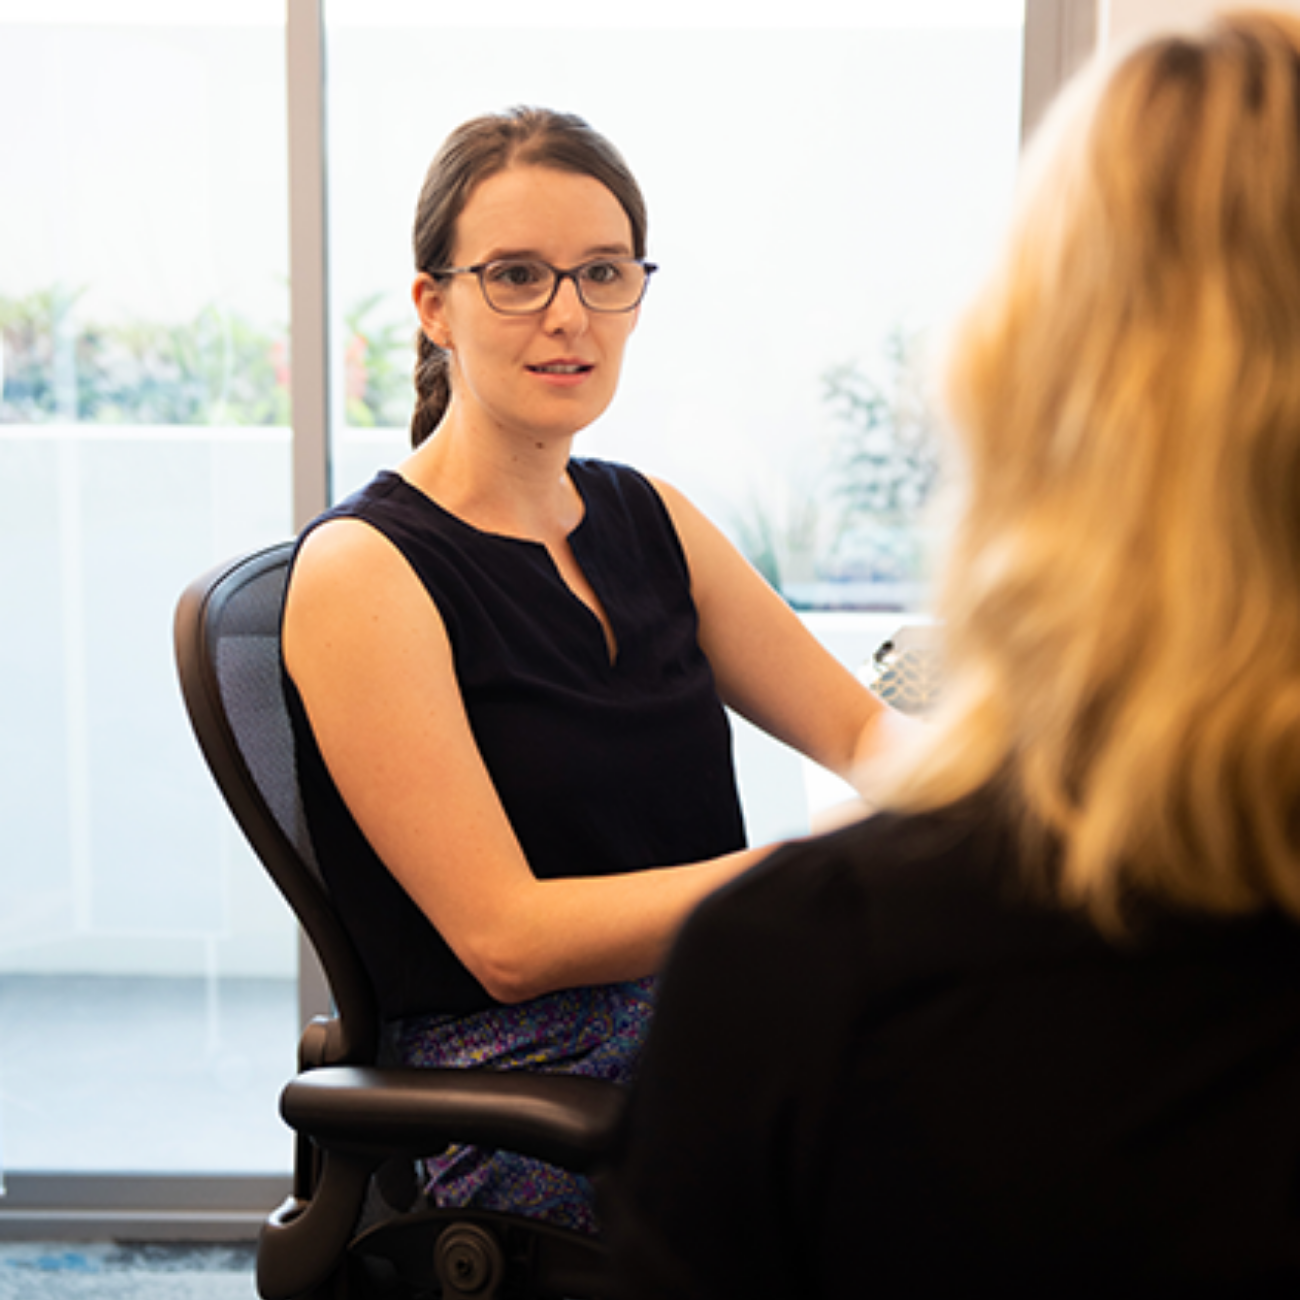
1122 592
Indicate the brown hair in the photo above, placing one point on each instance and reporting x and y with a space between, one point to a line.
1122 590
476 150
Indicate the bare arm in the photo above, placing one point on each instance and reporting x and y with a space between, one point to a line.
768 666
369 654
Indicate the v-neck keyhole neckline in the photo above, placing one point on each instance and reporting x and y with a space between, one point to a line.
595 607
590 599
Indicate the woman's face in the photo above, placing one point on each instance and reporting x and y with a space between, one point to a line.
553 372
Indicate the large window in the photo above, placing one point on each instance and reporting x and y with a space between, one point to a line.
147 1014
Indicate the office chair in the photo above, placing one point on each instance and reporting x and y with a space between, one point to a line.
356 1223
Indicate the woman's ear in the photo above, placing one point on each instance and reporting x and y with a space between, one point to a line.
430 305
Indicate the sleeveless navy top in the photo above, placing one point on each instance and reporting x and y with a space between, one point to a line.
602 767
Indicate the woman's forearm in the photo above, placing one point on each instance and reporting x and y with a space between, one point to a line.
554 934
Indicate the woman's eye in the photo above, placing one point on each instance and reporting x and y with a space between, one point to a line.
516 275
602 272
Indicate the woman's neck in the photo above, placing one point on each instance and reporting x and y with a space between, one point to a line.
512 486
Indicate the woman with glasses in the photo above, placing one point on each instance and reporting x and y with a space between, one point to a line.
509 665
1034 1030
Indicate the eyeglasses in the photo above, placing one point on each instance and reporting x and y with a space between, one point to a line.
519 286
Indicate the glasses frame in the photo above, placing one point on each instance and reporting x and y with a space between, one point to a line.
561 274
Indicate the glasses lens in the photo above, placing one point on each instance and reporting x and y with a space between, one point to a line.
517 286
615 285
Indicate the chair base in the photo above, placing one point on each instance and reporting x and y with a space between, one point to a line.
449 1254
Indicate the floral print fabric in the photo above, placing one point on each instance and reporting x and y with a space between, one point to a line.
596 1031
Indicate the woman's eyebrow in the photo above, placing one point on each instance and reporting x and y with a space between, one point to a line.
532 255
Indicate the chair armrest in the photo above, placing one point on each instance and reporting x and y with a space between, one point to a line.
566 1120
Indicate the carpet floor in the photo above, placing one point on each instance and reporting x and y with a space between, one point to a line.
70 1271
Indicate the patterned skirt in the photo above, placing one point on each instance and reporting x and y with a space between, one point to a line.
595 1031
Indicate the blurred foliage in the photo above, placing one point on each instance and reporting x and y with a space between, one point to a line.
759 538
218 368
783 533
378 362
852 512
887 461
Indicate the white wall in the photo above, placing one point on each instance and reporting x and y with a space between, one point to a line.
1125 20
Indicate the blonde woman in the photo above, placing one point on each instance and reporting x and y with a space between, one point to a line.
1036 1028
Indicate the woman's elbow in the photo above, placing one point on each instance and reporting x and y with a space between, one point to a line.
501 967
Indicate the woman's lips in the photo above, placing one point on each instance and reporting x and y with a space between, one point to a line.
562 373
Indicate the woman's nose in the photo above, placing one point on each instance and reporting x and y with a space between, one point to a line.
567 310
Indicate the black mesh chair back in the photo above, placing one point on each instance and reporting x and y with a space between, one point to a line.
352 1228
228 656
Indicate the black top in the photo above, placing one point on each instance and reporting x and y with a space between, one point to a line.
879 1068
601 767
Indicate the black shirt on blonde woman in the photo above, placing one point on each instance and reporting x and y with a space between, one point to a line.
901 1071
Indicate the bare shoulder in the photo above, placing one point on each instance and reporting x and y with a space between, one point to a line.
341 552
700 537
677 503
351 587
347 561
